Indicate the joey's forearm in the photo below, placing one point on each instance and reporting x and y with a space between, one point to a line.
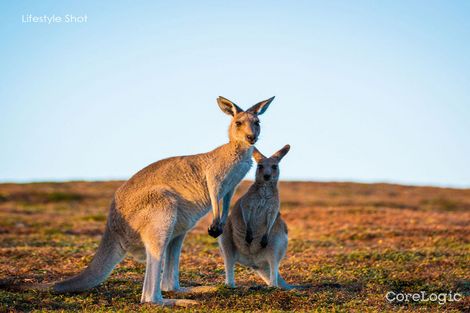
269 225
246 217
270 219
270 222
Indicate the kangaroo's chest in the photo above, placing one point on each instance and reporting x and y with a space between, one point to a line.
234 175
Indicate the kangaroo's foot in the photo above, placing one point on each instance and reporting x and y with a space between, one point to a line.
174 302
286 287
230 285
297 287
196 289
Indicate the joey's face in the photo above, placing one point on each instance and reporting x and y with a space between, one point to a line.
267 170
245 127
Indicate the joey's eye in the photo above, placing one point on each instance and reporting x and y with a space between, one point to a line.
257 123
274 167
238 124
260 167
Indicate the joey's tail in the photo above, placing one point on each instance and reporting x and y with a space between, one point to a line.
109 254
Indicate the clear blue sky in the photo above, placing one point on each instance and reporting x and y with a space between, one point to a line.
366 91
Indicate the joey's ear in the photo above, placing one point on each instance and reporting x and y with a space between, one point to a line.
281 153
228 107
258 155
260 107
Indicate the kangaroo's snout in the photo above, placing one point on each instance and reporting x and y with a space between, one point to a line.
267 177
251 139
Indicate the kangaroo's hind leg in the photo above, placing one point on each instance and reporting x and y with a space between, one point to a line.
265 274
274 253
170 280
229 254
156 234
155 240
155 237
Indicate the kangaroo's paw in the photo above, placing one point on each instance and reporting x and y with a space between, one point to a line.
215 230
248 237
264 241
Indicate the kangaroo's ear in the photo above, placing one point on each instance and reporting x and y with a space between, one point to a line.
260 107
228 107
281 153
258 155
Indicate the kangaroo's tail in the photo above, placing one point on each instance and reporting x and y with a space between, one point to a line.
109 254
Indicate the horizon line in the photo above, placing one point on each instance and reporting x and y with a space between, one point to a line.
312 180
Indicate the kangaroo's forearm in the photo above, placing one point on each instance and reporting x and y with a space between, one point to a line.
226 205
215 207
213 190
216 227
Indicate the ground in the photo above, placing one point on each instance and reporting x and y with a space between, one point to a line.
349 244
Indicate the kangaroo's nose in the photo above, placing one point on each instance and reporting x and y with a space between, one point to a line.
267 177
250 138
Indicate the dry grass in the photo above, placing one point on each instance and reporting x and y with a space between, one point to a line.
351 242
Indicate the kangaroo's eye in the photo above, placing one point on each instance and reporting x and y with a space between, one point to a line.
274 167
257 123
260 167
238 124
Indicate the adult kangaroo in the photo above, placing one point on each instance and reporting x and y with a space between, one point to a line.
152 212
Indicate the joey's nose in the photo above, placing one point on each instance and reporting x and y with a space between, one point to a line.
266 177
250 138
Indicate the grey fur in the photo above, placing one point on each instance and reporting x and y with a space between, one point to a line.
152 212
255 234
